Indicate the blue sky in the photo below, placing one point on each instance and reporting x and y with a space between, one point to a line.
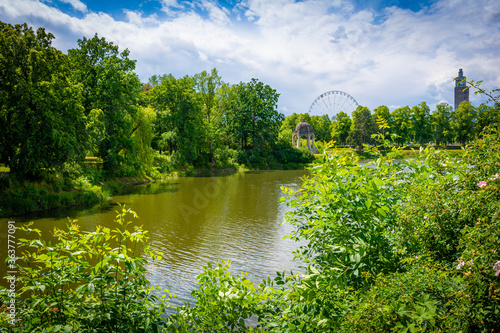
390 52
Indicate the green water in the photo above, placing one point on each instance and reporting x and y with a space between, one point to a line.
198 219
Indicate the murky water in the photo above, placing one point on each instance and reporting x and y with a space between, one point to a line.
194 220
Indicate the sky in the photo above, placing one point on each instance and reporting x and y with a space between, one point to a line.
381 52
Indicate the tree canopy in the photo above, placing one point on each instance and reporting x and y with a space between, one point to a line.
41 115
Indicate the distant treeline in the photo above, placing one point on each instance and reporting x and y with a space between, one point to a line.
407 125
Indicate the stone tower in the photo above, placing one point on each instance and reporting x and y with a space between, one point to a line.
460 94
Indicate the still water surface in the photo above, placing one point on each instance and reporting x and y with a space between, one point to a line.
195 220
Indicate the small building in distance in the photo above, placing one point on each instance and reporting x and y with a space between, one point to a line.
304 129
460 94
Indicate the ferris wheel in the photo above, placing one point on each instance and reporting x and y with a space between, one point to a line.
331 103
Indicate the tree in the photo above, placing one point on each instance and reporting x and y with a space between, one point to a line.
362 127
420 123
254 116
440 123
179 125
109 84
322 127
382 112
487 116
341 126
41 115
401 124
463 122
207 85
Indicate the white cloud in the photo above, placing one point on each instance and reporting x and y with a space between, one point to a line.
396 57
77 4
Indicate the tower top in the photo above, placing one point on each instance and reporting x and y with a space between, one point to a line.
459 78
461 89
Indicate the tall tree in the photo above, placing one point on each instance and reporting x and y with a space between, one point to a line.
41 115
440 123
341 126
420 126
207 85
254 117
463 122
401 124
179 127
487 116
322 127
109 84
382 112
362 127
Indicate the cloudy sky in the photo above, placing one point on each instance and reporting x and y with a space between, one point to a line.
390 52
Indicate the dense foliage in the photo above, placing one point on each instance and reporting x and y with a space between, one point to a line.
41 115
85 118
404 246
408 246
82 281
417 124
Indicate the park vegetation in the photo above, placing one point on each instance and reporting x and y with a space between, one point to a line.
411 246
392 246
410 126
73 124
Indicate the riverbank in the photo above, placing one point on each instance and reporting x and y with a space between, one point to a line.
24 198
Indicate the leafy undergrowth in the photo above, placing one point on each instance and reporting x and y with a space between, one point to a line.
406 246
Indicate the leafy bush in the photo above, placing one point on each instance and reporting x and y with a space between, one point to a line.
85 281
384 255
225 157
223 302
294 155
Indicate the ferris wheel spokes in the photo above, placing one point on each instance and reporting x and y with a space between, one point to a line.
332 102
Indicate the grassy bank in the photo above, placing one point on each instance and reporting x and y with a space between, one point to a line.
90 187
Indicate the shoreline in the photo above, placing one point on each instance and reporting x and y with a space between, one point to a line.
34 198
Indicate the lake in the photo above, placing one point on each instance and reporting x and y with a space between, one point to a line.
195 220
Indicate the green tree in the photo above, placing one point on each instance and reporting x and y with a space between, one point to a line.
142 137
341 126
382 112
41 115
226 96
179 125
322 127
362 127
463 122
207 85
487 116
440 123
420 125
254 117
109 84
401 124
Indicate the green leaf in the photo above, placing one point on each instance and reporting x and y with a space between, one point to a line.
368 203
381 212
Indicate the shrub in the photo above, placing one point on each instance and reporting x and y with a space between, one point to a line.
294 155
225 157
85 281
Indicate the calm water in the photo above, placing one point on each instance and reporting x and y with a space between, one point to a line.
194 220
